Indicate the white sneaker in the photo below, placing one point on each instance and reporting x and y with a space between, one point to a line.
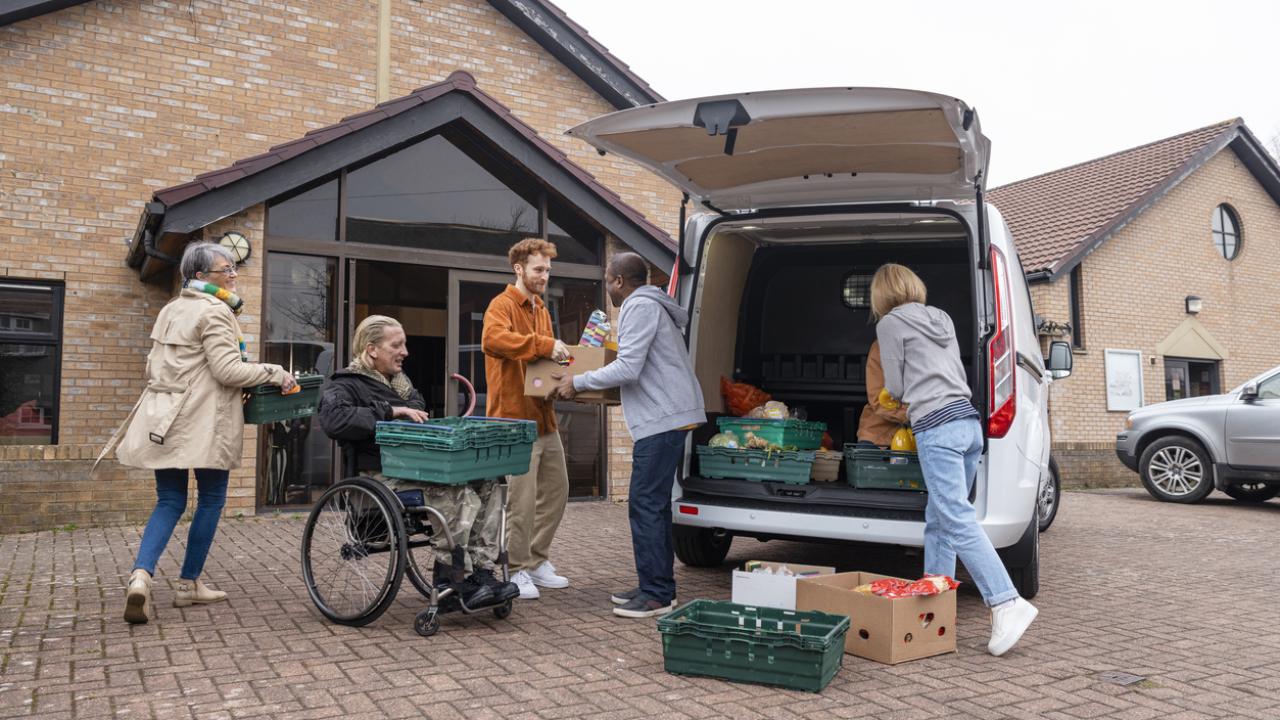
527 589
545 575
1008 622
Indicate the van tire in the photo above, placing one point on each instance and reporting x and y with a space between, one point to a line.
700 547
1022 560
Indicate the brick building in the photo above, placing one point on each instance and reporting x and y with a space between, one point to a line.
377 156
1161 265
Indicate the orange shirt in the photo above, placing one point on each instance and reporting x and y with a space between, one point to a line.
878 424
517 330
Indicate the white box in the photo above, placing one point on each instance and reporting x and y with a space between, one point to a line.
772 590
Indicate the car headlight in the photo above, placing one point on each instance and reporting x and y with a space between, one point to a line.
1128 422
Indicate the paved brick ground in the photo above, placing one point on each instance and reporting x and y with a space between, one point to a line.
1183 595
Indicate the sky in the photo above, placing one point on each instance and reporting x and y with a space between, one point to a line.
1054 83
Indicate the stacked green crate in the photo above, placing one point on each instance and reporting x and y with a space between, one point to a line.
785 466
802 650
798 434
267 404
452 451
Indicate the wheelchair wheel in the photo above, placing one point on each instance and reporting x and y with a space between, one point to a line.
354 551
421 560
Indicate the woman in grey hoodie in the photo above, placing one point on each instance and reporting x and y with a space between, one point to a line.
922 368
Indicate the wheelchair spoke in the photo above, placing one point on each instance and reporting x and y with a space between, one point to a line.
351 553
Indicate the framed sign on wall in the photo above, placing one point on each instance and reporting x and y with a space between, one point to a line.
1124 380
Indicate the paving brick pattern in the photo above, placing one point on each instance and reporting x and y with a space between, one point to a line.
1185 596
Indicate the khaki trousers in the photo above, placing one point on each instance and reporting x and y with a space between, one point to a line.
535 504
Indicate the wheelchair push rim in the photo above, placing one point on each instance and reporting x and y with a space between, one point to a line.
354 551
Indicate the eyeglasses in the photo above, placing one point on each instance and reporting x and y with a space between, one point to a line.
229 270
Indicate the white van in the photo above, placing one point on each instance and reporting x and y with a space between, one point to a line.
801 195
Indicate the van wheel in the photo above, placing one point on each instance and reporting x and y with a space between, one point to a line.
1176 469
1022 561
700 547
1050 496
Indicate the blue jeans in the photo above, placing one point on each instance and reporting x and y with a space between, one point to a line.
653 471
949 460
171 500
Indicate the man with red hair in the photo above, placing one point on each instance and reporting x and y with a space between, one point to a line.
517 331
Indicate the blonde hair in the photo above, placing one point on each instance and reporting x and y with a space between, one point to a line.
371 331
894 285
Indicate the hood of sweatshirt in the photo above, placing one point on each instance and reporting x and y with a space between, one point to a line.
668 303
929 321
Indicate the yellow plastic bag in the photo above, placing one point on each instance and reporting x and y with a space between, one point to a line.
887 401
903 441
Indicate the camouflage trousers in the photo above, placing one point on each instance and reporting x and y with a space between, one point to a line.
473 512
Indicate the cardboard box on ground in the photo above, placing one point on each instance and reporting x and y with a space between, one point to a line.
883 629
771 589
538 380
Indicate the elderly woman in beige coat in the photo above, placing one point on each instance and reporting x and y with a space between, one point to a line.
190 416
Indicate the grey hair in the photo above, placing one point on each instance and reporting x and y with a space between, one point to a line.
199 257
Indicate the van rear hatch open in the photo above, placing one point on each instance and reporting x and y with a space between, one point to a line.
804 147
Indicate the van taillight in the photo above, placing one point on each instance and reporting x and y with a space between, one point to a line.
1003 395
675 279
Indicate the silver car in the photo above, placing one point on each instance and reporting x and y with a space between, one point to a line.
1183 449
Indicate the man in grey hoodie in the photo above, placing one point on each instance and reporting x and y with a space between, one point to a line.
661 402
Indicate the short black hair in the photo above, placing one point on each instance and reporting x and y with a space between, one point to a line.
630 267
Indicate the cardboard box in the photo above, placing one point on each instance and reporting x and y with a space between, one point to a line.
884 630
775 591
582 358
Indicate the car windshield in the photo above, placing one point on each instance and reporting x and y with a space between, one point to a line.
1258 379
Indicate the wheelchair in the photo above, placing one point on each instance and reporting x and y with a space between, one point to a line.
362 538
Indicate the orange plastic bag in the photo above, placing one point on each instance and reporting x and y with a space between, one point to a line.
741 398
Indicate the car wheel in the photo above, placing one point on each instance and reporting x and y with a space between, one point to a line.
700 547
1252 492
1176 469
1050 496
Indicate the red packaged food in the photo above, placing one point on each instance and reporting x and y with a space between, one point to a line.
741 398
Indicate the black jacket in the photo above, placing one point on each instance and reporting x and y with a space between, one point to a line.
351 406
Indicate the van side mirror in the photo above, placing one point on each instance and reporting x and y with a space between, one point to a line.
1060 359
1249 392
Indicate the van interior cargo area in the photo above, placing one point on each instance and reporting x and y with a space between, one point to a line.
787 309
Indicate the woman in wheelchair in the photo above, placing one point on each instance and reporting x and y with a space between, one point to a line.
373 388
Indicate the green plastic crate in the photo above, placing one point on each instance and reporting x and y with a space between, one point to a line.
801 434
785 466
876 469
267 405
410 461
797 649
458 433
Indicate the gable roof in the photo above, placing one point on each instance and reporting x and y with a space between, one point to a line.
211 196
1059 217
547 24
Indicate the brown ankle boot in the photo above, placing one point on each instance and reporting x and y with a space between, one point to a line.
137 599
195 592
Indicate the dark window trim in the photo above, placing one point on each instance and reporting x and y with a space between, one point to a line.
1220 236
51 339
1075 291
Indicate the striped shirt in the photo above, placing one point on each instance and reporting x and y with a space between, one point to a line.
957 410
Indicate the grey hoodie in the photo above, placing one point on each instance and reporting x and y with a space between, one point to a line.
921 359
653 370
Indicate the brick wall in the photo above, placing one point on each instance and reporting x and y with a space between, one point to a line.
1134 286
103 103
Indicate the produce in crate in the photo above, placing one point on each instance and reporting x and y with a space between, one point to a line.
724 440
903 440
740 398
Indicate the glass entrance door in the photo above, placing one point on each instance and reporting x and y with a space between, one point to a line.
1185 377
570 302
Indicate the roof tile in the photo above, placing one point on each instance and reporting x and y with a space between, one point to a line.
1052 215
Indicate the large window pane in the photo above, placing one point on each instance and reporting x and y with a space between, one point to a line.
577 241
300 330
312 215
27 392
27 310
433 195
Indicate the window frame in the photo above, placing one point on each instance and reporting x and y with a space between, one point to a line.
53 338
1227 213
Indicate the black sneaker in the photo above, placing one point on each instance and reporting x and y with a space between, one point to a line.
622 598
502 591
475 594
643 606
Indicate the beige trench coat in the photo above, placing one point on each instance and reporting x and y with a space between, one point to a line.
190 414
